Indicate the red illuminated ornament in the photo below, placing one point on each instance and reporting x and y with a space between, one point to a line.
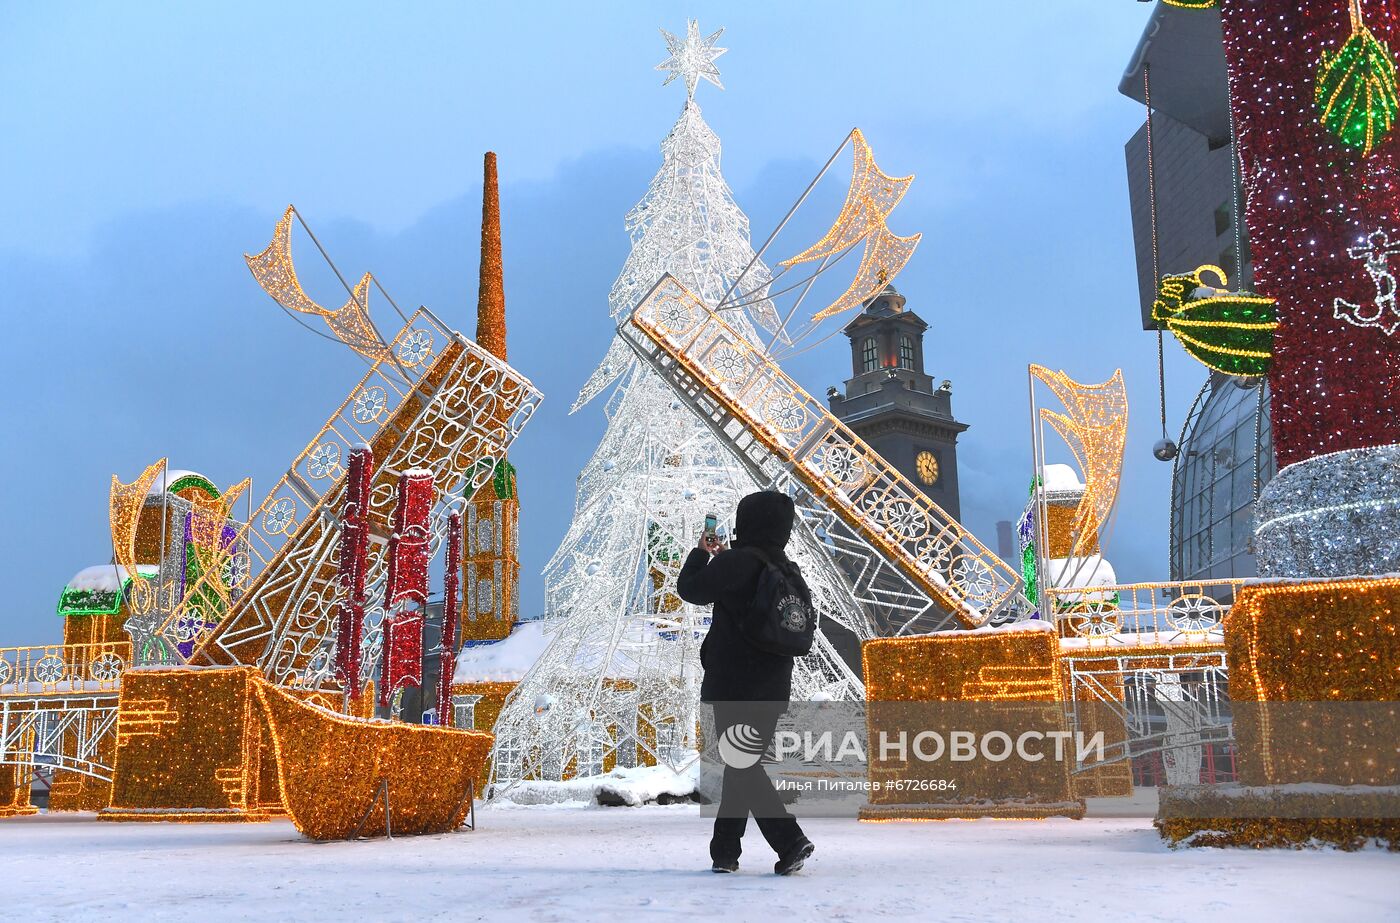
1310 202
450 608
407 592
354 547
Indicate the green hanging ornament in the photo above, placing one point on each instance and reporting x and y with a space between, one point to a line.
503 479
1355 91
1230 332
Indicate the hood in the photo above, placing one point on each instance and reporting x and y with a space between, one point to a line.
764 519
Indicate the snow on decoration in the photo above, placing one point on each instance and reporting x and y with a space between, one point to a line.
99 590
506 660
968 679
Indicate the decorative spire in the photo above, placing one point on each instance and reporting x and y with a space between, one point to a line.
692 57
491 292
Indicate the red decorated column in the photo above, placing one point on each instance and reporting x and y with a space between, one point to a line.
354 548
407 592
1312 97
450 607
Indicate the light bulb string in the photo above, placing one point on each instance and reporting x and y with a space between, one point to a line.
1156 269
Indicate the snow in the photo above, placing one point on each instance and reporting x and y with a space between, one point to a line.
507 660
107 578
32 687
1078 573
635 787
1124 639
1059 478
170 477
1028 625
561 863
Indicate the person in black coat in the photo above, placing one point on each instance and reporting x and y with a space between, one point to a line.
745 685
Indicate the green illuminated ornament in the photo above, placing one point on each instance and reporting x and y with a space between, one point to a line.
1230 332
503 479
1356 90
1191 4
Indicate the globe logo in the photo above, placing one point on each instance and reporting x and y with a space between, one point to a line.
740 746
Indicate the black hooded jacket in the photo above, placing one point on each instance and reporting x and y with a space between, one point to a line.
735 670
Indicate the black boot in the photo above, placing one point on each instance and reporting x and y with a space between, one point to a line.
792 858
725 865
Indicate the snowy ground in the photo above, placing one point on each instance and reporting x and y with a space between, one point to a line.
569 863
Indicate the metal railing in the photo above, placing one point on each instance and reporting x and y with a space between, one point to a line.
63 669
1138 614
933 550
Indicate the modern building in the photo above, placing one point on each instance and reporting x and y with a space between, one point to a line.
1225 448
892 404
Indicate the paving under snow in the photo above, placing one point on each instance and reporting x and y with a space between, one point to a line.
630 864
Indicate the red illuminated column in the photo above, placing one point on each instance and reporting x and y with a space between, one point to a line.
1324 227
407 591
354 547
450 608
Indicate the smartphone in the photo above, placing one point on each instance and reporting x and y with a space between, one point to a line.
711 525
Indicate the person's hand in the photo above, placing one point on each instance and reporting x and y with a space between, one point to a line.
711 544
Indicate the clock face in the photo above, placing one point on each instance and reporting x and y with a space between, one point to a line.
927 466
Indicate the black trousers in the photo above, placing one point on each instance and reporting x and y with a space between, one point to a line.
750 791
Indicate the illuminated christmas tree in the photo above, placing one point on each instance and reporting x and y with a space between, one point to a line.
619 682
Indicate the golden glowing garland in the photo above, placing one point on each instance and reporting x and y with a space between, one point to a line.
1096 430
125 502
187 747
207 521
1009 667
953 668
873 194
884 258
331 769
1328 641
275 272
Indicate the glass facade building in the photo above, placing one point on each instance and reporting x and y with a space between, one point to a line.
1226 455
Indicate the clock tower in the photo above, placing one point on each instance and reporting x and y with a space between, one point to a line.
893 405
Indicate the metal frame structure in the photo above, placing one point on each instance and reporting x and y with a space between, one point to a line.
912 552
455 415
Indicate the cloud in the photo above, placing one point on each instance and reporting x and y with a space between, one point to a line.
155 341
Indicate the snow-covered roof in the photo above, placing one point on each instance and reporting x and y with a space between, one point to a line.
1078 573
507 660
107 578
1059 477
173 476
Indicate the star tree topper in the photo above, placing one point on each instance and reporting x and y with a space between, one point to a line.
692 57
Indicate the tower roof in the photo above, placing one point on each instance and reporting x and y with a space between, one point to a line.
888 303
491 292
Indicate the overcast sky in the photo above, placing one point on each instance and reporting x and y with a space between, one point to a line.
148 146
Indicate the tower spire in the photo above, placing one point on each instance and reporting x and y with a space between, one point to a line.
491 293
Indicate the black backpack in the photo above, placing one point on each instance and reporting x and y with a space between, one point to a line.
780 619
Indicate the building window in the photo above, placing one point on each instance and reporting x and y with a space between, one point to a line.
1227 263
1222 218
869 355
906 351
